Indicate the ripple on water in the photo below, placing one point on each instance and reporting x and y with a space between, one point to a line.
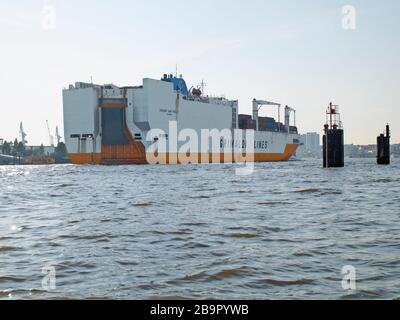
384 180
204 276
310 190
11 279
308 253
96 237
228 273
200 197
274 203
182 232
245 191
168 298
143 204
196 245
127 262
362 295
75 265
21 293
295 282
242 235
195 224
64 185
193 277
8 248
331 192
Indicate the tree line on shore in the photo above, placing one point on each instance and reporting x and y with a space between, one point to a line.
18 149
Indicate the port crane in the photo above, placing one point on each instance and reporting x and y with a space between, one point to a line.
288 110
258 104
58 137
50 135
22 134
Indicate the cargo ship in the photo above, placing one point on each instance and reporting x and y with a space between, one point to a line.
107 124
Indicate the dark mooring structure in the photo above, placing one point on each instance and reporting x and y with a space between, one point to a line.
383 147
333 140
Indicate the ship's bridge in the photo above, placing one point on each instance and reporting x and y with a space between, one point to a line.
179 83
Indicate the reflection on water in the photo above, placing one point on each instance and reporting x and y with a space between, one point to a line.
177 232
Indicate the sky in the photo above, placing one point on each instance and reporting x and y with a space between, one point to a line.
303 53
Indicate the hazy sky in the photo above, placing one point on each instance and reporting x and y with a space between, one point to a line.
293 52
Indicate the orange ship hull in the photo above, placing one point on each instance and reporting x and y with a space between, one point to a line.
134 153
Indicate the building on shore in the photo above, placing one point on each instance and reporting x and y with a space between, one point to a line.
15 154
360 151
47 150
367 151
310 145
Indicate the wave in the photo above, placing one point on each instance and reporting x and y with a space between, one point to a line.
193 245
11 278
384 180
169 298
193 277
229 273
273 203
144 204
310 190
194 224
362 295
201 197
281 283
127 263
243 235
244 191
98 237
7 248
20 292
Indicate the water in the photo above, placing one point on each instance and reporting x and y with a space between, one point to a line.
200 231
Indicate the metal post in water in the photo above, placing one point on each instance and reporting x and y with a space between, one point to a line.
383 148
333 139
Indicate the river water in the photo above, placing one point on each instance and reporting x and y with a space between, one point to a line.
200 231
